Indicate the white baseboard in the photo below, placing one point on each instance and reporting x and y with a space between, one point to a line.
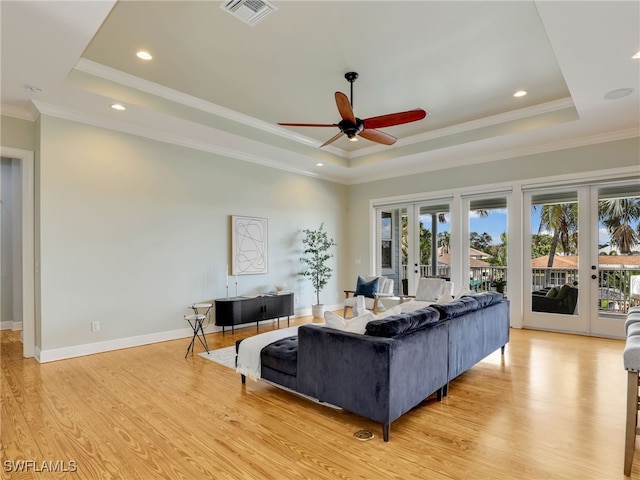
52 355
10 325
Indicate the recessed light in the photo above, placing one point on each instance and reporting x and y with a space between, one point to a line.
319 164
144 55
119 107
32 89
520 93
618 93
636 56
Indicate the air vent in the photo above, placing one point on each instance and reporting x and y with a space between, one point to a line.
249 11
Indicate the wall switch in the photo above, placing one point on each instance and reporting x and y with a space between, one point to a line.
95 326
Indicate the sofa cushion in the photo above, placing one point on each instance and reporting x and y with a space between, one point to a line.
353 325
366 288
282 355
456 308
402 323
487 298
563 292
552 292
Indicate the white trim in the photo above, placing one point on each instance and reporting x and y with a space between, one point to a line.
6 325
52 355
435 164
131 81
116 344
153 134
473 125
30 114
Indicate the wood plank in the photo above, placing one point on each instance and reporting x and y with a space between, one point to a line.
552 407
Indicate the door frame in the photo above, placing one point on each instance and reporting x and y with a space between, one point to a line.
26 159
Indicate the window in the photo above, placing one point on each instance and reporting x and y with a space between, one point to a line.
386 244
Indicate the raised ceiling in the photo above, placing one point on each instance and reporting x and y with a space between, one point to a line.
218 84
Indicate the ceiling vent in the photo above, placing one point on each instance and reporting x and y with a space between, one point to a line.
249 11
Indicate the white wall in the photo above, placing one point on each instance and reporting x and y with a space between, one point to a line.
132 231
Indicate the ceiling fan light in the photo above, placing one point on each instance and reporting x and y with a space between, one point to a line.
352 138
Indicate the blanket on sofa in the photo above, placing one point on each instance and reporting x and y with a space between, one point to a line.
248 361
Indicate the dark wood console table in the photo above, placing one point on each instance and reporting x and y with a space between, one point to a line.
237 310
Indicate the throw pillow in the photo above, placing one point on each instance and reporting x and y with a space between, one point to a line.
366 288
563 292
353 325
553 292
444 298
429 289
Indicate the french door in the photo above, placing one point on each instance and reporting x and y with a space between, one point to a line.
413 241
577 266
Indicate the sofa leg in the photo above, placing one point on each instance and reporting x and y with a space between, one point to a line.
440 393
502 349
445 389
244 379
385 431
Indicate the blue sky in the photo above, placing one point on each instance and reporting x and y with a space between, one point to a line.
496 223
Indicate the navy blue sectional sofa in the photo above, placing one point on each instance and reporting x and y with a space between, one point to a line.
400 360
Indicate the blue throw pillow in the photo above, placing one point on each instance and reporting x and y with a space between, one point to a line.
366 288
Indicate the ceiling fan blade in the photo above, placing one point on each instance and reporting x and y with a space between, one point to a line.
331 140
308 124
344 107
378 136
394 119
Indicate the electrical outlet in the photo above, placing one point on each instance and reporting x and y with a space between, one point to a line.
95 326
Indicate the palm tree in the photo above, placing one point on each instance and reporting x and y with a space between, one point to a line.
618 215
562 219
444 241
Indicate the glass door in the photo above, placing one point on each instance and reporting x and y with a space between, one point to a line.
615 256
405 245
556 255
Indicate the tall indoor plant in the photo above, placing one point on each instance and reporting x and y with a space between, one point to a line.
315 256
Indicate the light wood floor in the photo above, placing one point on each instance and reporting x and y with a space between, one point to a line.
553 407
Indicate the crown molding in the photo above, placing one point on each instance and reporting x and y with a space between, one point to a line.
498 119
502 155
131 81
153 134
30 114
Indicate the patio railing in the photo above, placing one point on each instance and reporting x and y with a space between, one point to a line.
614 284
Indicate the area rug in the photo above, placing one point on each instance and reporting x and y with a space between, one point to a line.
224 356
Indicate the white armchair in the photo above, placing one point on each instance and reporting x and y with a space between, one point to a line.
383 288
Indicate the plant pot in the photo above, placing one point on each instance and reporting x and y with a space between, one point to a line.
318 310
500 289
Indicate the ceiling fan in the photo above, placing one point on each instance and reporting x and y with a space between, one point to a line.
351 126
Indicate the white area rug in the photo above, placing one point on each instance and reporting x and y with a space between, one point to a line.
224 356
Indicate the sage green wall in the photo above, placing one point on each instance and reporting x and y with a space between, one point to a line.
17 133
132 231
593 158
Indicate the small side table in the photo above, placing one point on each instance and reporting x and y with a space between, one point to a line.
196 321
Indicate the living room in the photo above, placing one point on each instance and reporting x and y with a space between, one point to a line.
131 220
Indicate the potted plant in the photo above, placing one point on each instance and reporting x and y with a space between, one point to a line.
499 284
315 256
